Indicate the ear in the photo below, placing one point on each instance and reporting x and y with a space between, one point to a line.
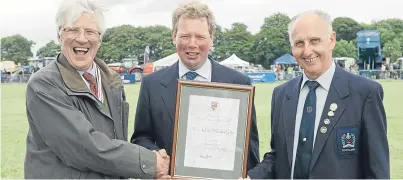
212 37
212 41
332 40
174 38
59 39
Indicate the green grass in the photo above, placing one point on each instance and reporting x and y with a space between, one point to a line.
14 125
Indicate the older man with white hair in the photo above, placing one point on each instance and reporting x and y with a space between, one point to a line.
77 112
327 123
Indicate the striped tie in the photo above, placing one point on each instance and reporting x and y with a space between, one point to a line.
93 85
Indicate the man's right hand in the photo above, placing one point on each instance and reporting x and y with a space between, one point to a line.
162 165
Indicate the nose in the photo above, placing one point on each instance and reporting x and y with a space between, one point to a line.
192 42
307 50
81 37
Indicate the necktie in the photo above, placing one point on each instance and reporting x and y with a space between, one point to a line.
93 85
191 75
306 132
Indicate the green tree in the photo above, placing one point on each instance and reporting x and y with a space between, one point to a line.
217 52
345 49
235 41
346 28
272 40
393 49
127 41
51 49
16 48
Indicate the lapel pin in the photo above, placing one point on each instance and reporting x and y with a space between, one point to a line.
327 121
323 129
333 107
330 113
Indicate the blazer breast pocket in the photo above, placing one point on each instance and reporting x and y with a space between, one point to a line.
347 141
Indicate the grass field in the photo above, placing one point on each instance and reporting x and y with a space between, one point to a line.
14 124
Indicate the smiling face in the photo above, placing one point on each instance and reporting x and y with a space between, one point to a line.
193 41
312 44
80 41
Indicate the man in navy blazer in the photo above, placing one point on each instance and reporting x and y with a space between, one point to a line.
193 29
327 123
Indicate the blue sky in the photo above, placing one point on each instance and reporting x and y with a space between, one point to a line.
34 19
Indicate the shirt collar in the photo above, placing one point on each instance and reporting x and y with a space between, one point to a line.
203 71
324 80
91 71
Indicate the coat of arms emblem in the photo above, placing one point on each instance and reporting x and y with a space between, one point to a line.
348 140
214 105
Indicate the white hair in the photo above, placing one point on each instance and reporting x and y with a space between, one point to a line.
70 10
325 16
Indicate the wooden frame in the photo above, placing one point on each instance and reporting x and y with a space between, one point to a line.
247 93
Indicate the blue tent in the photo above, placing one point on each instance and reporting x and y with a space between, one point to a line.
285 59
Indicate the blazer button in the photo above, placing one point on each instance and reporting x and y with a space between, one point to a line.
144 166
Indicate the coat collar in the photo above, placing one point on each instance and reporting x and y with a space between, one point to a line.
75 83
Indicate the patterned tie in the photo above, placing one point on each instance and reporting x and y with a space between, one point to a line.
191 75
306 134
93 85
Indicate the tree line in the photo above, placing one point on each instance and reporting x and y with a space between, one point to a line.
263 48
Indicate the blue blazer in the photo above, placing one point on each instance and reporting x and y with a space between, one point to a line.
155 114
360 113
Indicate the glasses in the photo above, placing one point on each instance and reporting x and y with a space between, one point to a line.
75 32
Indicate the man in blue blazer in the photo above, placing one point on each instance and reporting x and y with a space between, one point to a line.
327 123
193 29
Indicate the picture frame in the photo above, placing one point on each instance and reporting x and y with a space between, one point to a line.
211 130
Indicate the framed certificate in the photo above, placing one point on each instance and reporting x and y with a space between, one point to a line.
211 130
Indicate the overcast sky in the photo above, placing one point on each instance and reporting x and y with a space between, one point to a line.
34 19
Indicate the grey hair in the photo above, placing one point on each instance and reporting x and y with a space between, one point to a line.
325 16
70 10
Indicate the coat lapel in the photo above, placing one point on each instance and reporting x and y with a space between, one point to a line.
337 94
289 112
216 73
170 83
114 114
76 84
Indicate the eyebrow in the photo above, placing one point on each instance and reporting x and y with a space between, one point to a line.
311 38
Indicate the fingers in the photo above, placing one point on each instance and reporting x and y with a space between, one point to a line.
163 162
163 153
164 177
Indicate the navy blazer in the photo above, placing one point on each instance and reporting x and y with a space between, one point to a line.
360 119
155 114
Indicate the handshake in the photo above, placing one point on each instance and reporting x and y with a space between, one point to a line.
162 166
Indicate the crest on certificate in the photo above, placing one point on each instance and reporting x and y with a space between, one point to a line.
214 105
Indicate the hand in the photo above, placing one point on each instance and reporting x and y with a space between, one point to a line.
162 166
164 177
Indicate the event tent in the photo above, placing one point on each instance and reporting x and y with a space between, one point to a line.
285 59
166 61
234 61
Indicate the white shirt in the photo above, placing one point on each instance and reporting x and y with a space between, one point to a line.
203 73
321 94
